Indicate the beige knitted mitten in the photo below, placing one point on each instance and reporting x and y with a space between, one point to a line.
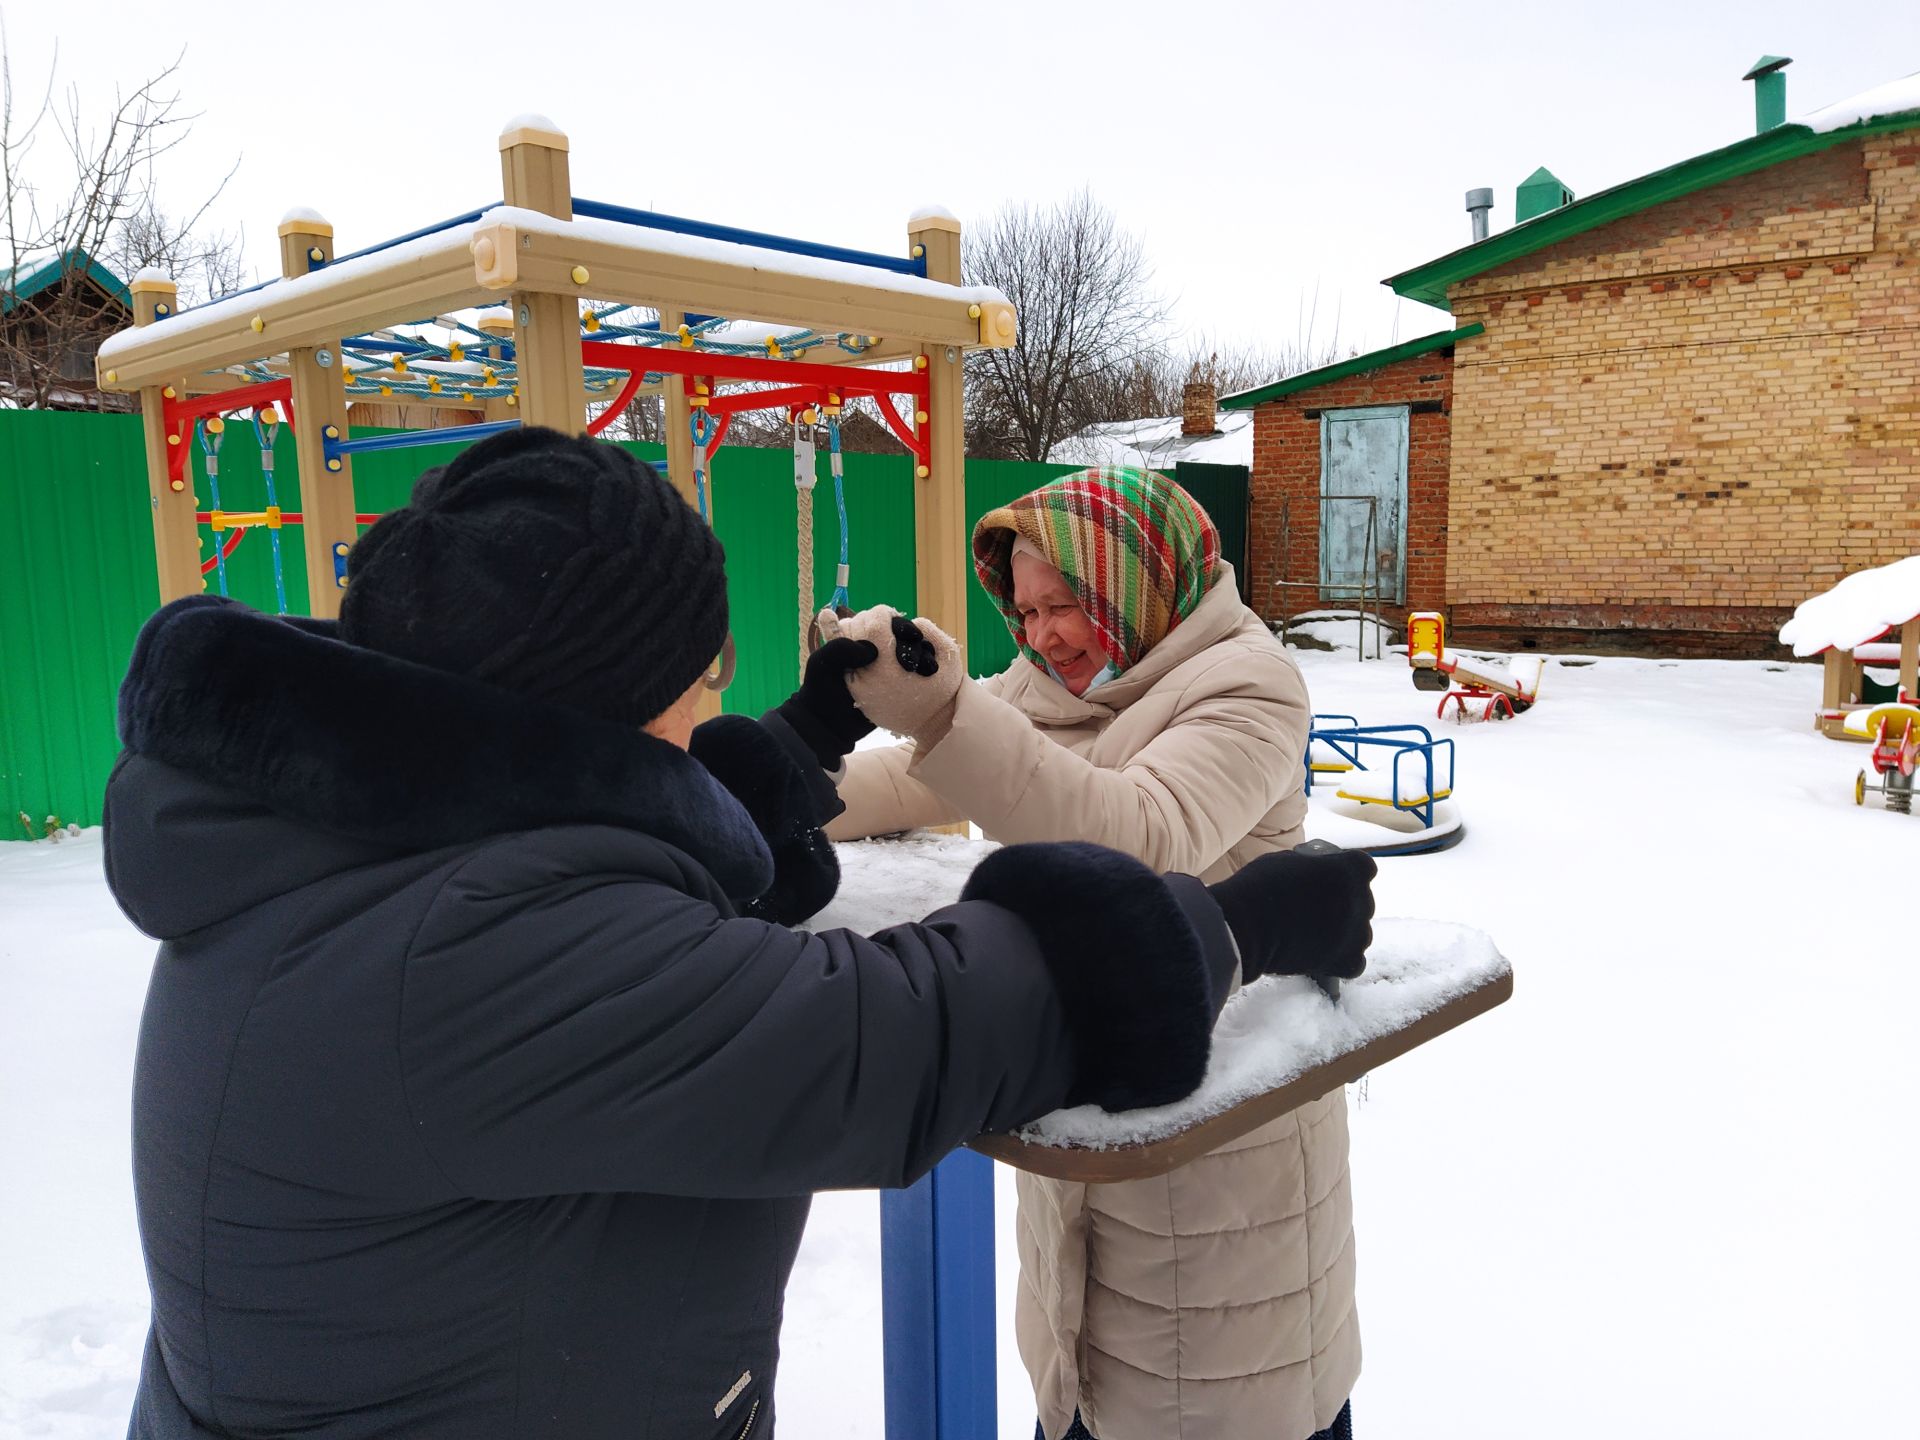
890 693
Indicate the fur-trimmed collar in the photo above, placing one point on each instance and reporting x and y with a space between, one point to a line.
365 745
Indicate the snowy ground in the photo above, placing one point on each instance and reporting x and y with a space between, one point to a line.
1668 1190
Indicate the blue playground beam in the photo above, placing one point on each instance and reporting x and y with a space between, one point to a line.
408 439
370 250
680 225
936 1295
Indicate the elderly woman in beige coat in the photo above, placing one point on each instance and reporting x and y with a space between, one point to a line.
1151 711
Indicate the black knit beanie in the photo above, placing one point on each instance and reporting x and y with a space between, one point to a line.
557 567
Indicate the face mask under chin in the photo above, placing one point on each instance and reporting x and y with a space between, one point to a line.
1107 673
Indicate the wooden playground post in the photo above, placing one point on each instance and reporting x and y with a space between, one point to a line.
1910 657
499 325
176 536
676 417
318 373
534 175
936 1236
940 496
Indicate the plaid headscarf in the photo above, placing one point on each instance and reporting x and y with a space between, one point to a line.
1137 551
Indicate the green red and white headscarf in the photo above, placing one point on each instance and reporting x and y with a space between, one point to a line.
1137 551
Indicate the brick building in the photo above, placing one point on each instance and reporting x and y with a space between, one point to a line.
1368 434
1673 409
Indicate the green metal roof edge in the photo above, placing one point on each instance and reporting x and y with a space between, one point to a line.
43 275
1428 283
1308 379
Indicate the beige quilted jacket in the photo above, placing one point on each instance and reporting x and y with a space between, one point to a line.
1214 1303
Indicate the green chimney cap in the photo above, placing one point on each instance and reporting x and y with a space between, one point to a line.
1538 193
1766 65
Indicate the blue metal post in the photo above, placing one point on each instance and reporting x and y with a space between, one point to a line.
936 1291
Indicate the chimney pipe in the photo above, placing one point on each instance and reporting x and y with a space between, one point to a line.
1197 415
1769 92
1479 202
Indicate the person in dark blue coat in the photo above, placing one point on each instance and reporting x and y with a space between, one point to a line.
481 1084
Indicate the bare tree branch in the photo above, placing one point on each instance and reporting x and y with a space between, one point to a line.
1084 292
105 206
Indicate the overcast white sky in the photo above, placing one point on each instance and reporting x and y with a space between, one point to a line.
1268 154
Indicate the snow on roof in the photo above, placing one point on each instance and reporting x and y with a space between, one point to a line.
1860 608
220 316
1157 444
1896 97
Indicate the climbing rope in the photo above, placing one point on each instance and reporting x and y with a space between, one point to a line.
211 431
266 427
803 483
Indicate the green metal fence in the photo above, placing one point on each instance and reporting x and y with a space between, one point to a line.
77 576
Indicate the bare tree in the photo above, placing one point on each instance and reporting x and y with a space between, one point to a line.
99 200
1151 384
1088 311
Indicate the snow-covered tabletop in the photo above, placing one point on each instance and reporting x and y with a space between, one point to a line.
1272 1033
1860 608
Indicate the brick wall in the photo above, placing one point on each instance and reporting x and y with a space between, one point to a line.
1286 468
1688 421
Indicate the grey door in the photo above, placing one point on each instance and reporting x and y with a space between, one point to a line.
1363 456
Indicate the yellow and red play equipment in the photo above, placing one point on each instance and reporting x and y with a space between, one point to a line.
1894 731
1500 691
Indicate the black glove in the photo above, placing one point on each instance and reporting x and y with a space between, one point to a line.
821 711
1301 914
806 874
767 778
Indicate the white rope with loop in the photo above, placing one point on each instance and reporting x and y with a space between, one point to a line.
803 482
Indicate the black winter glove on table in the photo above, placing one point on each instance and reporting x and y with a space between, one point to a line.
821 711
1301 914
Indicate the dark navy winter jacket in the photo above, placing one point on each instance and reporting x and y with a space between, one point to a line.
466 1103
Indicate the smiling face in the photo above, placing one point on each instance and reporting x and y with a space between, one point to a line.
1056 625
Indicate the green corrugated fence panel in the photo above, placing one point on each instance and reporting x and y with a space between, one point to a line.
77 575
1222 493
755 512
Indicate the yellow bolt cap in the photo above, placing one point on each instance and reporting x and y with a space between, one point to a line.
921 471
258 324
580 276
919 417
333 464
973 312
